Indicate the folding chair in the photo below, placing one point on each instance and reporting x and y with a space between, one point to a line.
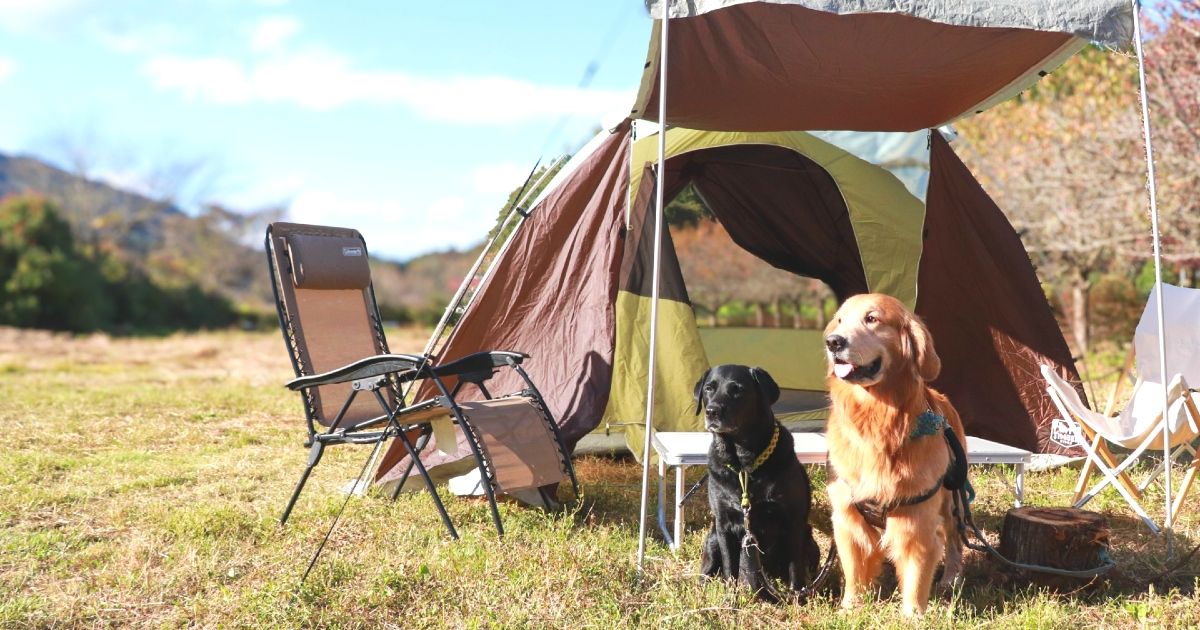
1181 317
331 325
514 438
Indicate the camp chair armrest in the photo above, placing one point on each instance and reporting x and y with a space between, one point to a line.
377 365
480 362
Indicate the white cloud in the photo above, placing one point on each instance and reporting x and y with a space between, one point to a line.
271 33
29 13
322 80
498 179
7 67
126 179
145 38
46 17
392 229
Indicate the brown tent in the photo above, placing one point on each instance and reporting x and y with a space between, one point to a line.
572 285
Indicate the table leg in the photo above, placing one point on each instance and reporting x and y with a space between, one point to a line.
662 507
1020 489
678 506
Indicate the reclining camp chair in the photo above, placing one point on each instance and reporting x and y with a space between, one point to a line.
332 328
1140 426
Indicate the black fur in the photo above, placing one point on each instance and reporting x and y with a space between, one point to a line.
736 401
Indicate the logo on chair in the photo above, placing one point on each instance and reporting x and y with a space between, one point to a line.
352 251
1064 433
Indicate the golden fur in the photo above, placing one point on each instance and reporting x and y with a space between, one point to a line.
873 457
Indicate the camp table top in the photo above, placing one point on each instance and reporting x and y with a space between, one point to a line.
682 449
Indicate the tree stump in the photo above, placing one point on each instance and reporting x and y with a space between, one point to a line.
1063 538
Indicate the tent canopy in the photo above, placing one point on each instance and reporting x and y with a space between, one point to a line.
828 64
572 287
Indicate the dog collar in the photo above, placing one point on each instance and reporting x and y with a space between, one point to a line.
744 474
763 456
928 423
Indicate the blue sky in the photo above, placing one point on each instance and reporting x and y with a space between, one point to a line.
409 120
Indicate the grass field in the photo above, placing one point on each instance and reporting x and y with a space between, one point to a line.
141 480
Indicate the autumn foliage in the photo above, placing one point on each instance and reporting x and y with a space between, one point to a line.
718 273
1065 161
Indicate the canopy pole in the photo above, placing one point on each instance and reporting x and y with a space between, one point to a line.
1158 282
658 227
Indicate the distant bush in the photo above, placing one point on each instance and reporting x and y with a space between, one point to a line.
47 280
1116 305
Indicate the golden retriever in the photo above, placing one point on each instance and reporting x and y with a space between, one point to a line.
880 358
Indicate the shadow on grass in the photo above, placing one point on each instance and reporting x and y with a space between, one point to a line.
612 497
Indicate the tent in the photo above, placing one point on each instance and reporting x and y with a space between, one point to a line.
890 212
748 66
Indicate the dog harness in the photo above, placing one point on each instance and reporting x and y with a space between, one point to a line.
929 423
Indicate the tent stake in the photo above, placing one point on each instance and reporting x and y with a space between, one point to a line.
658 227
1162 330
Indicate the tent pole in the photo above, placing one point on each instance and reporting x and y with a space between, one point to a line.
456 301
658 228
431 345
1162 330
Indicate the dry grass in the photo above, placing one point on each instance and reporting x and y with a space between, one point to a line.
141 481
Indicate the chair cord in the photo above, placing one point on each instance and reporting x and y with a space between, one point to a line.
321 547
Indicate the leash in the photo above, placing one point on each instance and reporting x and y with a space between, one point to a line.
749 542
964 494
744 474
956 480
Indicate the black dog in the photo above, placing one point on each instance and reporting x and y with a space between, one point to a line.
736 401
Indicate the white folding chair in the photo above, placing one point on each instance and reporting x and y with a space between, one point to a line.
1139 427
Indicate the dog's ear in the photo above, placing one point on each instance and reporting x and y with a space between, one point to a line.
767 387
919 348
698 391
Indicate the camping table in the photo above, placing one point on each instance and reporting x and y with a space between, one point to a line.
682 449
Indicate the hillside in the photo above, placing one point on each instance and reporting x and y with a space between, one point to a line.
217 250
87 203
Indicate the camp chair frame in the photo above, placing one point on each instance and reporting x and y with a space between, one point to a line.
1101 459
1126 373
370 373
476 369
386 373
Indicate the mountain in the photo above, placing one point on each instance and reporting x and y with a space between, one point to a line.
218 249
88 204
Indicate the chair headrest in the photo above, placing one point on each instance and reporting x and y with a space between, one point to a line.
328 262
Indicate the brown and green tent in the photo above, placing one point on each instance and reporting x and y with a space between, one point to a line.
571 286
888 212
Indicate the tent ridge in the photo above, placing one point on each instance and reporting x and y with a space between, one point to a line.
1108 22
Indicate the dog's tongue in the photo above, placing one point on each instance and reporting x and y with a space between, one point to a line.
843 369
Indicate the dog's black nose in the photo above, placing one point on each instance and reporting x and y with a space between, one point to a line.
712 410
835 343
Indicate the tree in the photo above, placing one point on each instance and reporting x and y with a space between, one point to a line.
1059 161
1065 161
1173 76
714 268
44 280
686 209
526 192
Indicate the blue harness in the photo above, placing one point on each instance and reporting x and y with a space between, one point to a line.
929 423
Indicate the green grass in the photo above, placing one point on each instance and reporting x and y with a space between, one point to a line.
141 480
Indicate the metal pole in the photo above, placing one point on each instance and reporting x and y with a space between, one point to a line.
658 227
1162 331
466 281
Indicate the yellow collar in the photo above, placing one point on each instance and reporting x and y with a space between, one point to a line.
744 474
